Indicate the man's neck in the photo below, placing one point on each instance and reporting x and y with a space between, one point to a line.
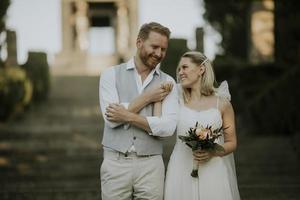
142 70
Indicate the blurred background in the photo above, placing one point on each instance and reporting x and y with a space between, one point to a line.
52 53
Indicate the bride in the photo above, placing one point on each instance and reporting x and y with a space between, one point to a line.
201 102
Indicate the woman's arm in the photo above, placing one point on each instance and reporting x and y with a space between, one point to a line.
155 95
230 141
157 107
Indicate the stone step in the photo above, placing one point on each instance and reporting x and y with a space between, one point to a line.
37 134
59 173
269 192
48 160
92 194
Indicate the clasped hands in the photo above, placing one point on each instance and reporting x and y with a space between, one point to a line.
116 112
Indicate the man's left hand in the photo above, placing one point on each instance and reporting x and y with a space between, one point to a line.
117 113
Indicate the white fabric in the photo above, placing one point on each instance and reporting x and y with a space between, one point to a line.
217 179
138 78
223 91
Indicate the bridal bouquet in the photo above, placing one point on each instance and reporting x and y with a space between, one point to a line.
202 138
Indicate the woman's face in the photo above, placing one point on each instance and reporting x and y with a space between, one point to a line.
189 73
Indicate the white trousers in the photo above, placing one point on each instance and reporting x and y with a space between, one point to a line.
131 177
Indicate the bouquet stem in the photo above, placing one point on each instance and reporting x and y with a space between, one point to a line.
195 169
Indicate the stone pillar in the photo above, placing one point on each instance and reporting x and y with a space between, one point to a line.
199 39
122 30
11 40
133 24
262 32
67 21
75 54
81 24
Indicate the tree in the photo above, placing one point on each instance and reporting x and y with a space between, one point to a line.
230 19
3 8
287 32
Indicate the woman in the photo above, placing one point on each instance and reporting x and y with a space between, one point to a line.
201 102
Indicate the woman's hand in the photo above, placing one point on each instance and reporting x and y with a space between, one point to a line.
202 156
167 86
160 92
117 113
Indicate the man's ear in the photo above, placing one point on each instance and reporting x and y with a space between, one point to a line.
139 42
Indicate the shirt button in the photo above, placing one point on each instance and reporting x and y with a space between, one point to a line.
134 137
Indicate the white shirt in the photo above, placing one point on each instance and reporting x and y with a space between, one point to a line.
162 126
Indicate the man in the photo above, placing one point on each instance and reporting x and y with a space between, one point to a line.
133 167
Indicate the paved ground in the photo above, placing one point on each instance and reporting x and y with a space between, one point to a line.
54 152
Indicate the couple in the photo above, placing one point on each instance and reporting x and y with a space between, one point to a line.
141 105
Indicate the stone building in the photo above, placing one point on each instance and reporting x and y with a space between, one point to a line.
96 34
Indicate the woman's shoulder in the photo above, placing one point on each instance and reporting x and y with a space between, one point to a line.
224 105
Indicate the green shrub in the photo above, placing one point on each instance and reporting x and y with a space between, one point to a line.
37 69
265 97
275 109
15 91
246 81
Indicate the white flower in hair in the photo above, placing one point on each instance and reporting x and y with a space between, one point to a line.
223 91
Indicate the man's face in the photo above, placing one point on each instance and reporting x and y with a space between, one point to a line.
152 50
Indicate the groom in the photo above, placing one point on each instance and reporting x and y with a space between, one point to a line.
133 167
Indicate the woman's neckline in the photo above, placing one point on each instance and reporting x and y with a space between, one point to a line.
204 110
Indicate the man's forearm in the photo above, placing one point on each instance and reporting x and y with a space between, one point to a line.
139 121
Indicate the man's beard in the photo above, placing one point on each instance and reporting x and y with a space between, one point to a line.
149 60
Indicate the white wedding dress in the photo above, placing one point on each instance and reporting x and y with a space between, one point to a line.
217 178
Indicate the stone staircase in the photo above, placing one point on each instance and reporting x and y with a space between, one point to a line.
54 152
268 167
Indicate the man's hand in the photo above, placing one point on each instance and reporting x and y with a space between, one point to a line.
117 113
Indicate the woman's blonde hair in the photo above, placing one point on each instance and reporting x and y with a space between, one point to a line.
207 79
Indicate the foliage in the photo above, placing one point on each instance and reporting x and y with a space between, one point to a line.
230 19
15 91
194 140
246 80
3 8
37 69
275 109
264 97
200 138
287 31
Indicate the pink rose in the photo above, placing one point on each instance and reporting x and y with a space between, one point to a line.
202 133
